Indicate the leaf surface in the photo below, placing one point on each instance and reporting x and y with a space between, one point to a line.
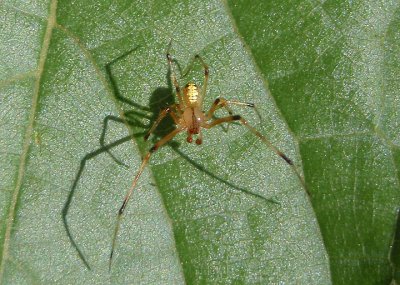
333 69
325 80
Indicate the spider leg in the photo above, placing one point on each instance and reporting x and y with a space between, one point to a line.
262 137
173 78
206 73
223 103
169 110
145 161
253 130
87 158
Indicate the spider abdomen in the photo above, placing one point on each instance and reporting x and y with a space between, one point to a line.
192 94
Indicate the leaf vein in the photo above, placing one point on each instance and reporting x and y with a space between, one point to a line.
27 139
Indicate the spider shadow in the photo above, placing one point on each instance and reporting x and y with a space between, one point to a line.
133 119
71 194
130 118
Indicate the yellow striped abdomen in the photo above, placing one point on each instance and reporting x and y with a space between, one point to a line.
191 94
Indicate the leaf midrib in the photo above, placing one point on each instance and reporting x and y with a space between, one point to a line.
51 22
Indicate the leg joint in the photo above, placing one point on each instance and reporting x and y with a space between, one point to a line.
121 210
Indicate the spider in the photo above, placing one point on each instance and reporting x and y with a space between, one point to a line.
189 117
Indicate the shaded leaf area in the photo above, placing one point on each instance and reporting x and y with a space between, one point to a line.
229 211
332 69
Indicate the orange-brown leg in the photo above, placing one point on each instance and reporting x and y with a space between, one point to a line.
173 79
145 161
223 103
169 110
263 138
253 130
206 73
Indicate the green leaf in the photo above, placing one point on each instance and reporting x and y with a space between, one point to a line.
333 69
229 211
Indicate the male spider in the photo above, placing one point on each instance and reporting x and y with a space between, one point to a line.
189 116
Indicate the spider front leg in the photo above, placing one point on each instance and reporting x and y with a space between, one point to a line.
145 161
253 130
262 137
206 73
223 103
173 78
